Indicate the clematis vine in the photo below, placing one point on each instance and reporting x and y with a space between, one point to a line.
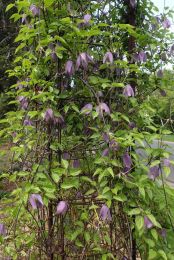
102 108
148 223
69 68
128 91
3 231
108 57
154 172
83 60
36 201
87 109
105 213
62 207
49 116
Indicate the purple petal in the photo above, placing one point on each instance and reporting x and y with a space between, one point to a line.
132 125
66 156
36 201
166 162
106 137
3 231
35 10
108 57
166 23
87 18
127 161
163 232
114 145
87 109
23 102
128 91
62 207
154 172
163 93
103 107
142 56
54 56
27 122
105 213
105 153
147 222
76 163
49 115
69 68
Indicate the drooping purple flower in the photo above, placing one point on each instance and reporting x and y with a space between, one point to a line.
105 152
132 3
54 56
49 116
66 156
105 213
142 56
154 172
87 109
76 163
83 60
24 18
148 223
62 207
3 231
166 162
163 93
87 18
127 161
106 137
69 68
108 57
163 232
160 73
113 145
35 10
128 91
103 107
166 23
23 102
36 201
27 122
126 170
59 120
124 258
132 125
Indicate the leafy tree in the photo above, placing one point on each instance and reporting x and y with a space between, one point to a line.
85 72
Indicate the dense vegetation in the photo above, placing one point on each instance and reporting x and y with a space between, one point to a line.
88 79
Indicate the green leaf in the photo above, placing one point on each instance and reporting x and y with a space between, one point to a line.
70 183
136 211
139 222
9 7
